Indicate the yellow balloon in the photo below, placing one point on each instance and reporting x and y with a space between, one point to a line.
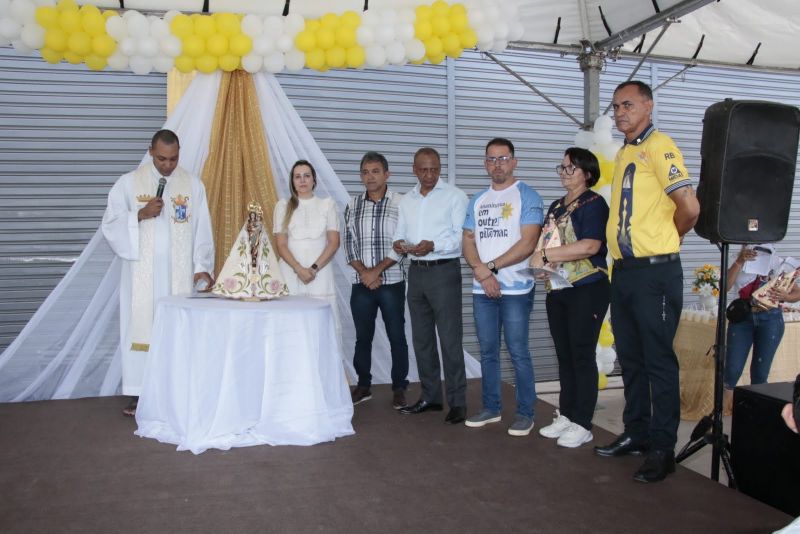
326 38
458 9
345 36
110 13
95 62
336 57
47 17
205 26
602 381
606 171
418 61
468 39
458 22
73 58
227 24
440 25
103 45
423 30
440 8
70 21
56 40
356 57
206 63
423 12
454 53
241 44
315 59
433 47
312 25
229 62
67 5
93 23
193 46
50 55
217 45
329 20
181 26
80 43
185 64
305 41
350 19
436 59
451 42
89 8
606 338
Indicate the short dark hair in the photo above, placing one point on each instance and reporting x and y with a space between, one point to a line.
428 151
167 137
585 161
644 89
374 157
501 141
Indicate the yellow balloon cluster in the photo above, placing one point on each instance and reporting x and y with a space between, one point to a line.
602 381
606 336
444 30
209 42
77 35
606 172
330 42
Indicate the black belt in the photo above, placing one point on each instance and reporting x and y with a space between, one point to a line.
626 263
431 263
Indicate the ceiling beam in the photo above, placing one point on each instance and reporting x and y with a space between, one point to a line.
649 24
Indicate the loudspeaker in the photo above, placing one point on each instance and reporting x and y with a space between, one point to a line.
765 454
749 155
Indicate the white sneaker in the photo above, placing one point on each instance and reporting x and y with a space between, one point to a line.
557 427
574 436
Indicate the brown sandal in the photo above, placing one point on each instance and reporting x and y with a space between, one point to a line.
130 409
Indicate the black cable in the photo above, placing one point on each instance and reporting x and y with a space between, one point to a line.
286 8
753 57
655 6
699 46
558 30
605 22
640 45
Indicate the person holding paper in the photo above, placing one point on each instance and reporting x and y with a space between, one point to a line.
500 232
575 314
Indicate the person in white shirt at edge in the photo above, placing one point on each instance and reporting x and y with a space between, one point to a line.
500 232
429 231
165 243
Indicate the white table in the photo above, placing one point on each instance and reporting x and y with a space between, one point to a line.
225 373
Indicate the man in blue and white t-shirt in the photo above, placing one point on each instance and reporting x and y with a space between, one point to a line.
500 232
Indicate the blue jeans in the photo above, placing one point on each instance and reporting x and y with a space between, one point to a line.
763 331
364 304
510 315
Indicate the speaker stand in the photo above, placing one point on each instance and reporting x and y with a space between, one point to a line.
708 430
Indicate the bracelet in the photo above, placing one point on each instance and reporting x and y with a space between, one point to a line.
544 257
314 266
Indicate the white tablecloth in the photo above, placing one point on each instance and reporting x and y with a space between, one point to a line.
226 373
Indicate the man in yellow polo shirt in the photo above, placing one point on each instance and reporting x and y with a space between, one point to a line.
652 207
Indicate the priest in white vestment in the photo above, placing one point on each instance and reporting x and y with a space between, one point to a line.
157 222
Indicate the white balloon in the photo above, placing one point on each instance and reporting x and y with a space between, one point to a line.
32 35
370 18
252 62
163 64
492 12
170 46
485 45
396 53
609 151
404 31
147 47
605 192
274 62
388 17
415 50
476 18
116 28
285 43
501 30
263 45
605 367
141 65
295 60
517 31
294 23
138 25
603 123
376 56
21 47
606 355
499 45
171 14
252 25
273 27
128 46
406 15
485 35
365 36
129 14
118 61
385 35
23 11
158 27
10 28
602 137
584 139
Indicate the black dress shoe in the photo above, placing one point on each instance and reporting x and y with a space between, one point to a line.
421 406
622 446
658 464
456 415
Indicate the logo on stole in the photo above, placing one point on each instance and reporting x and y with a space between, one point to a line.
180 209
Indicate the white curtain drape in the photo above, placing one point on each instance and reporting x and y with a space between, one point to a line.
70 347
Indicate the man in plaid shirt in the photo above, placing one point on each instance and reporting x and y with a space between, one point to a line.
380 279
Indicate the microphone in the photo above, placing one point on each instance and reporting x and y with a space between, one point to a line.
161 183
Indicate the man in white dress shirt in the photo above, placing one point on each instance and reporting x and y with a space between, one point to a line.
429 231
165 244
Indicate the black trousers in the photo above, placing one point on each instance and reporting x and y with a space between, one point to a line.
575 315
646 305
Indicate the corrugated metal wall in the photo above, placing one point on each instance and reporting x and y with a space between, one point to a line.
68 134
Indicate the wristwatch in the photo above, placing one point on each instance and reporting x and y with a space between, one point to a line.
314 266
492 267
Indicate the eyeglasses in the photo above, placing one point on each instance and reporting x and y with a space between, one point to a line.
569 171
502 160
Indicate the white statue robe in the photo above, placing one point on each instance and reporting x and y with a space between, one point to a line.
121 229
